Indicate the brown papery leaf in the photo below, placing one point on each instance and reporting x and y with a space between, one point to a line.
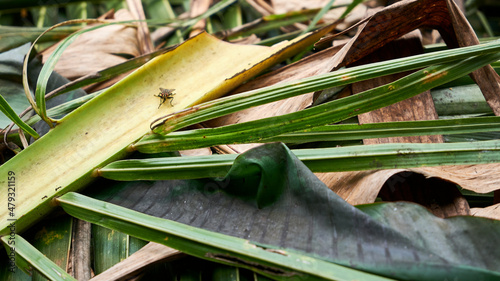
143 36
405 16
198 7
98 49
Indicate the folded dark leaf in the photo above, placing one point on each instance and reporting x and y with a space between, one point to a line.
271 198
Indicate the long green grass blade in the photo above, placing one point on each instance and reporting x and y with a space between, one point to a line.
337 159
26 254
186 139
257 97
206 244
331 112
12 115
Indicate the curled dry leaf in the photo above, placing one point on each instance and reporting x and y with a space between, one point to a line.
492 212
98 49
363 187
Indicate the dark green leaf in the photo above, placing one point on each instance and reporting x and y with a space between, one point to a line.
306 216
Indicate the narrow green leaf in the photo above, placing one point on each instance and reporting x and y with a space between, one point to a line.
25 253
337 159
331 112
206 244
9 112
391 129
197 138
241 101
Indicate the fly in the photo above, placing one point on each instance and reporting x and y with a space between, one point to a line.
166 94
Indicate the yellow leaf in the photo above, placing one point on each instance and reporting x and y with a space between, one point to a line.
201 69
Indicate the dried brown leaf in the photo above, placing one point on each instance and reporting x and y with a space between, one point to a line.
363 187
143 36
198 7
492 212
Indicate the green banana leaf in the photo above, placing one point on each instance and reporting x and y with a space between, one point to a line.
271 198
